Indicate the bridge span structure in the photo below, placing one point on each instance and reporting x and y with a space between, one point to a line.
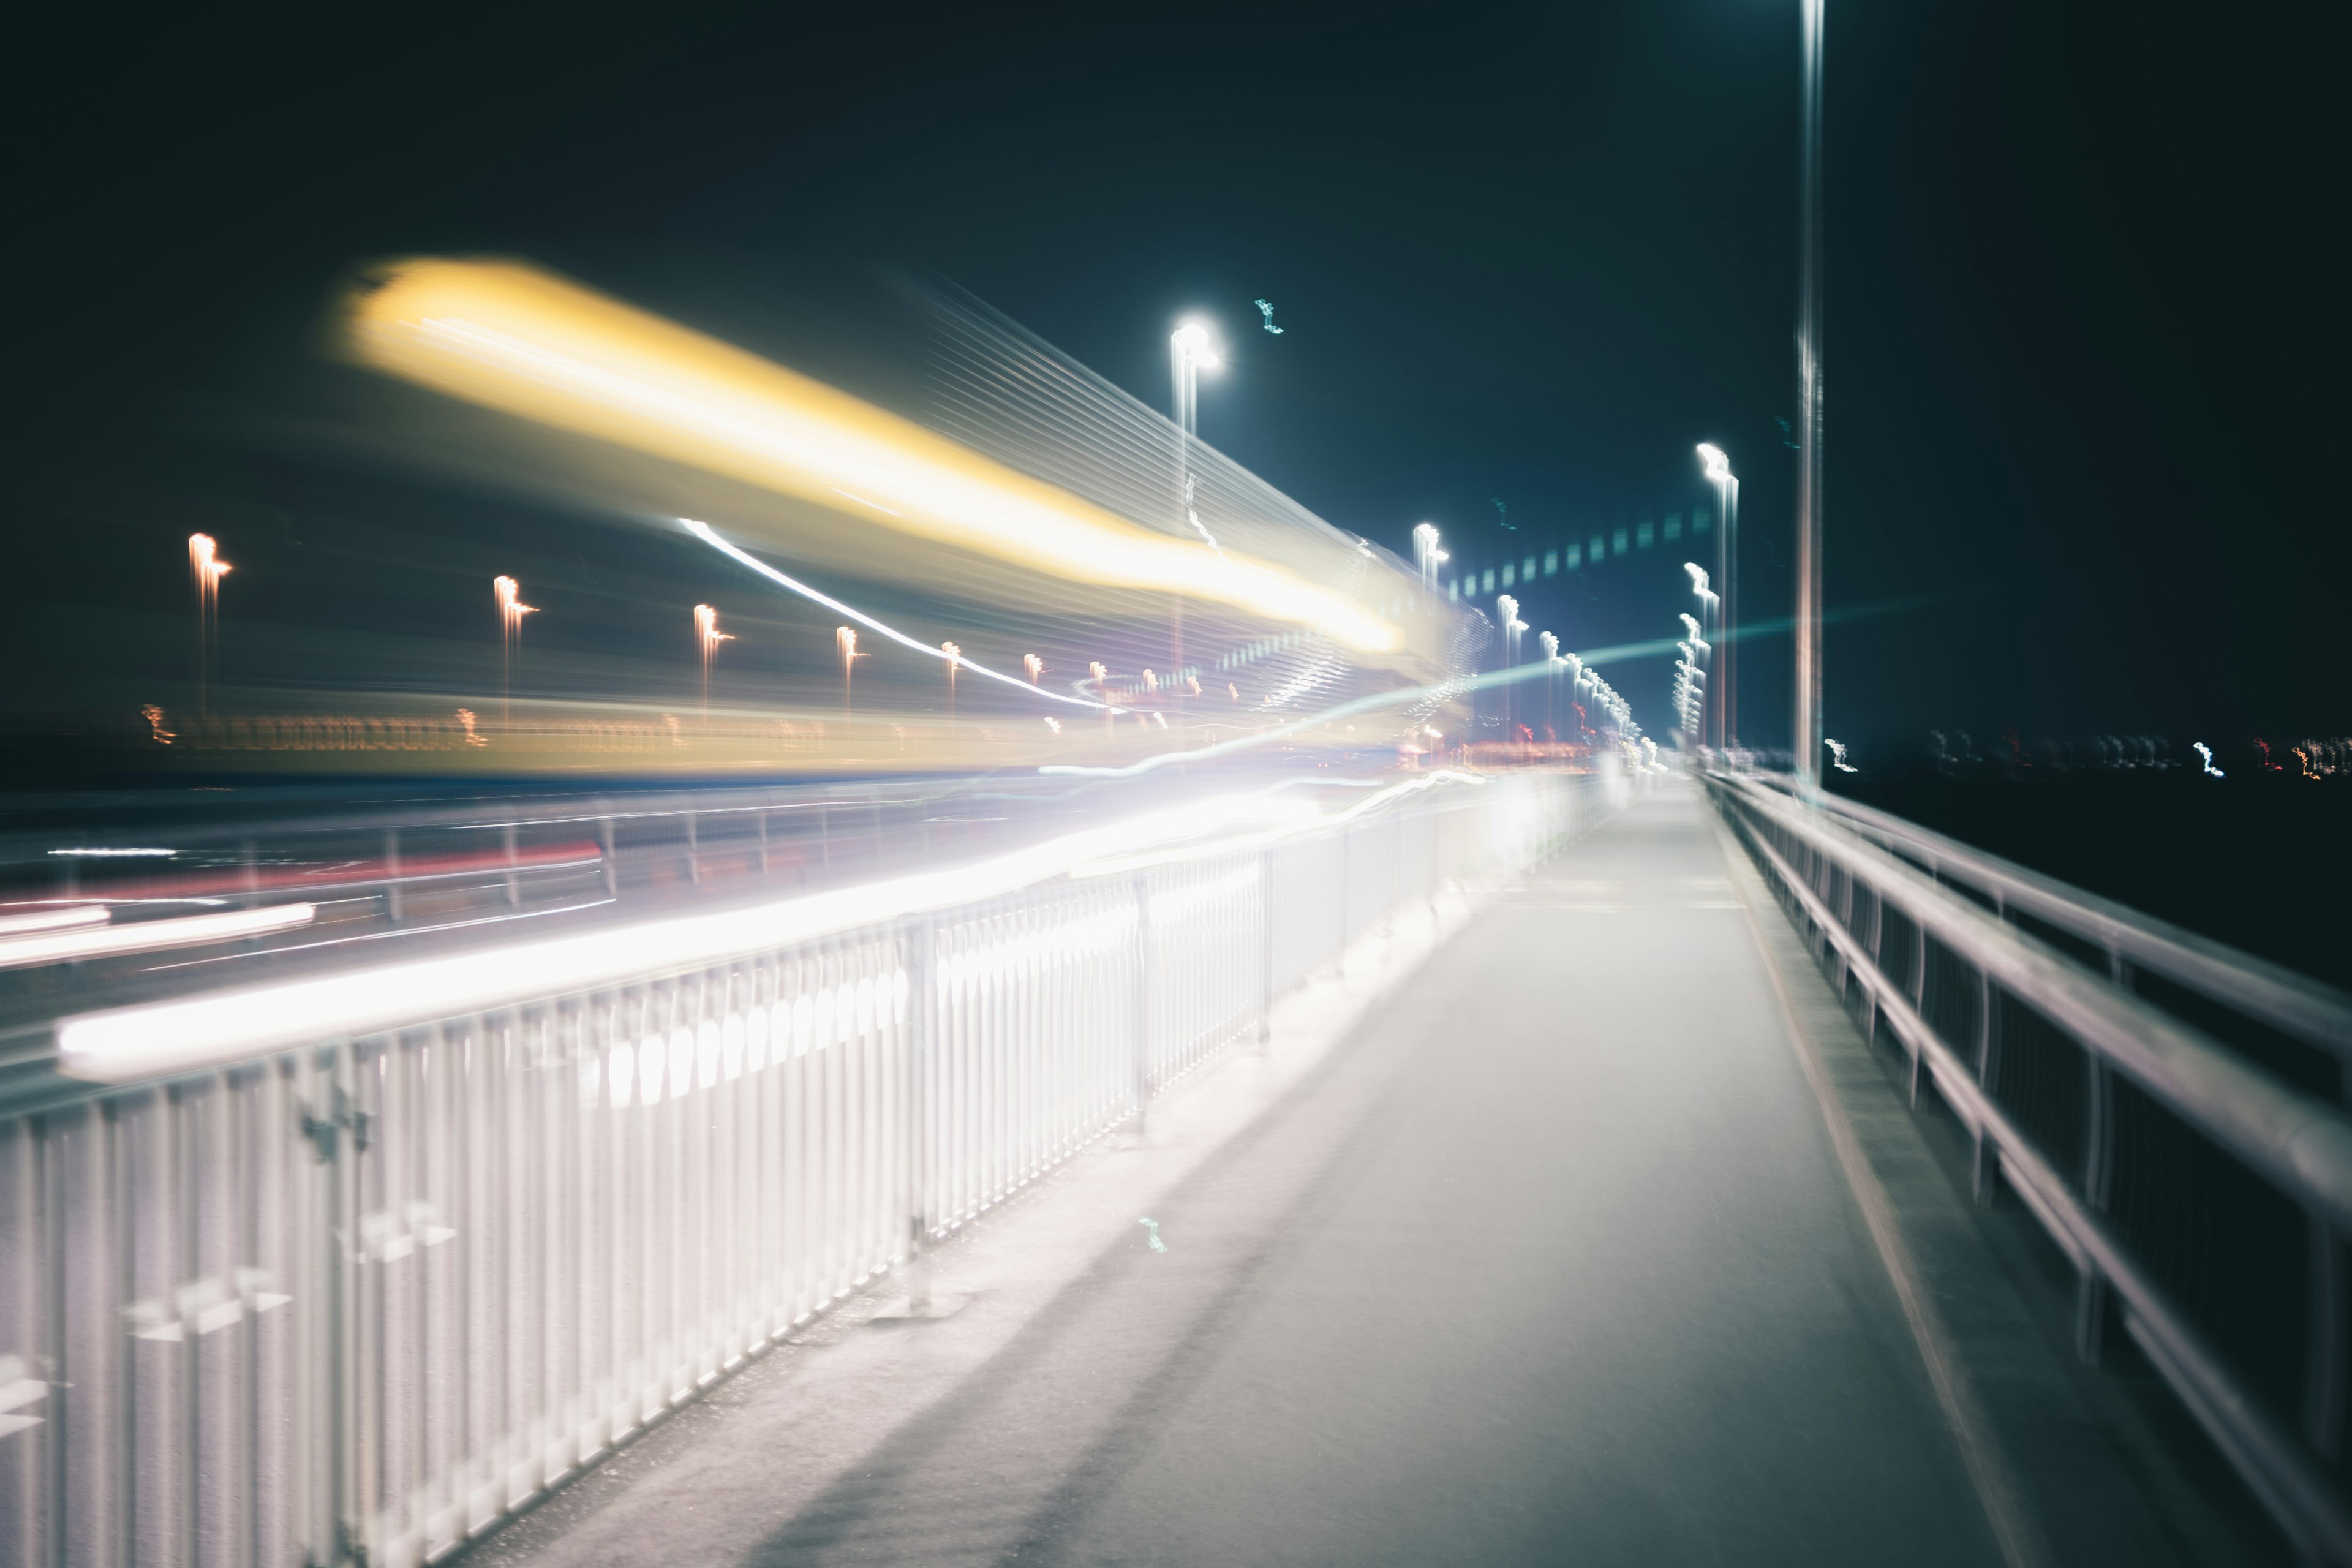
1496 1165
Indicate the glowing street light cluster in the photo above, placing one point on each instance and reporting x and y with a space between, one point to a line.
1690 675
1723 721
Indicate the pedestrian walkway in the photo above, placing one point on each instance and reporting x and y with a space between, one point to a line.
1551 1259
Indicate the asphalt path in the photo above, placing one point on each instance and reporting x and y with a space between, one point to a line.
1551 1260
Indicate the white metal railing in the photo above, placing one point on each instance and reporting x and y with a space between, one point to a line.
2202 1200
2131 944
356 1293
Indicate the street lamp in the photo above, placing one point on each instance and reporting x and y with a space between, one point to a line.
1508 608
1190 352
512 610
208 568
707 632
845 639
1551 681
1808 736
1724 728
1427 554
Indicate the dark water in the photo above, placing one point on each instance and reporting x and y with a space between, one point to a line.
2261 860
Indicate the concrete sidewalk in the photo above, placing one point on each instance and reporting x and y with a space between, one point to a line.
1551 1259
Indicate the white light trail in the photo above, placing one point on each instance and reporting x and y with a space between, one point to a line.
138 1042
709 536
145 936
53 920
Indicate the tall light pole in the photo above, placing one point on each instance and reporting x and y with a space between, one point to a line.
707 633
1508 608
512 610
1551 670
1710 606
1809 417
1190 352
206 567
845 639
1724 725
1426 554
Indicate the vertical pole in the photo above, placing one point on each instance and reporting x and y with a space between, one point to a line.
2325 1376
341 1239
2098 1179
919 1122
1988 1064
391 874
1140 1031
1726 613
1807 733
1184 397
1266 947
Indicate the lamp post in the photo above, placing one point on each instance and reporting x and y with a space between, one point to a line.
1710 606
1428 555
845 639
512 610
206 567
1808 735
1190 352
1508 608
707 633
1551 673
1725 726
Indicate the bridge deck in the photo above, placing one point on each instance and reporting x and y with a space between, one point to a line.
1551 1260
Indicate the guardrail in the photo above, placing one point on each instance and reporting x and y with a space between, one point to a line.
323 1272
2203 1201
2289 1022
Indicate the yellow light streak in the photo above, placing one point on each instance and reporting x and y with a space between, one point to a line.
511 337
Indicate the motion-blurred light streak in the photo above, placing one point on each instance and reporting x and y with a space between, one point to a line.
52 920
145 936
848 638
513 338
140 1041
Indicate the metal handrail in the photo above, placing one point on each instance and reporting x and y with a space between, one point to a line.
2302 1145
2295 1005
2299 1145
362 1299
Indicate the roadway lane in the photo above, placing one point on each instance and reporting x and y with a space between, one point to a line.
1552 1263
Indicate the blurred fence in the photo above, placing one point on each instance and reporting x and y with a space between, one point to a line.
360 1299
2204 1197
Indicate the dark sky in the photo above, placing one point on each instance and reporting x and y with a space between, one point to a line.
2084 321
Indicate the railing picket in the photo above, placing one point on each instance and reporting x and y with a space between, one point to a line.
463 1257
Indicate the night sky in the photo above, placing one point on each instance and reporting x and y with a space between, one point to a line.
2083 303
